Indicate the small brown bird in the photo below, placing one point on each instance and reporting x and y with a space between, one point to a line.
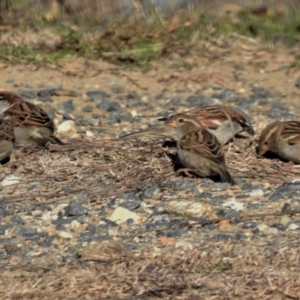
32 126
283 139
222 121
6 135
198 150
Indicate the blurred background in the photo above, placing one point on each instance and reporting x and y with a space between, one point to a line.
137 31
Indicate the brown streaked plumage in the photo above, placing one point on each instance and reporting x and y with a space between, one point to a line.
222 121
281 138
6 134
32 126
198 150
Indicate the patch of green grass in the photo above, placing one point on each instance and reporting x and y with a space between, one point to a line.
223 265
22 54
138 43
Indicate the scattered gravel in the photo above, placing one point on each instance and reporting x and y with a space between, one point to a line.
57 203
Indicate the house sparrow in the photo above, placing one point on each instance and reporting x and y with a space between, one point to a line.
198 150
32 126
6 135
222 121
283 139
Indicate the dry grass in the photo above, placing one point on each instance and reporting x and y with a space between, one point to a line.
252 269
264 271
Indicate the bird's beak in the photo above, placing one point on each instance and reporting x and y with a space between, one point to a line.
170 123
249 129
262 150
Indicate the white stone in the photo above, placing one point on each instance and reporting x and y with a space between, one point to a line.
10 180
189 208
267 229
134 113
256 192
65 235
293 226
46 216
67 128
234 205
121 215
89 134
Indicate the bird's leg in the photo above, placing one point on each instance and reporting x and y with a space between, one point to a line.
186 171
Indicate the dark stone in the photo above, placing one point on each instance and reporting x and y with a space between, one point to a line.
157 222
86 237
250 224
221 237
98 96
227 94
247 186
68 106
284 191
211 226
181 185
221 185
218 200
198 100
45 93
130 247
286 207
45 241
227 213
75 209
80 121
61 222
30 233
151 192
19 208
239 235
164 114
81 198
279 226
82 219
4 227
105 224
254 205
260 92
17 219
96 116
113 107
178 100
175 232
88 109
276 196
3 214
45 99
291 187
91 228
51 113
27 95
126 200
132 96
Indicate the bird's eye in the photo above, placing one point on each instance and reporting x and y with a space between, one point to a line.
181 120
266 143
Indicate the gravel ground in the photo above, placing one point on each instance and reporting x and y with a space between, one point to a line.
100 201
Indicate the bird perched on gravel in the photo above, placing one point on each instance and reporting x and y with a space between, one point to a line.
222 121
198 150
31 125
6 134
283 139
